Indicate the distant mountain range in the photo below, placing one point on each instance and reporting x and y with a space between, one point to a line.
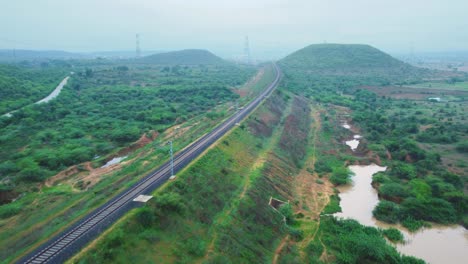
7 55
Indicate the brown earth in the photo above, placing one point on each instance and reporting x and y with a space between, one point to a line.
85 175
412 93
246 89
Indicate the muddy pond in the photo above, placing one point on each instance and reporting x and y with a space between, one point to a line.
436 245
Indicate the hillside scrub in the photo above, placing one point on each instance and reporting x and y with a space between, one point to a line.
417 186
359 244
296 130
102 110
199 212
85 186
23 85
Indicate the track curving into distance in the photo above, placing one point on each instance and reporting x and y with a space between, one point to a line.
64 245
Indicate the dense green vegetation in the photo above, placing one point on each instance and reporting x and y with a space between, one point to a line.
20 86
417 185
393 234
102 98
324 71
190 220
351 242
106 108
183 57
217 210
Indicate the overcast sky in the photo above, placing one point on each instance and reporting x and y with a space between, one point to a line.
221 26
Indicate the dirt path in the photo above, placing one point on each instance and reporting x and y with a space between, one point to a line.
312 193
51 96
259 162
278 250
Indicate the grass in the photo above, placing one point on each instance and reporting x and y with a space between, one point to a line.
233 174
23 228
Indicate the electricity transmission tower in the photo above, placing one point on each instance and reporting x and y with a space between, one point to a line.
247 51
138 50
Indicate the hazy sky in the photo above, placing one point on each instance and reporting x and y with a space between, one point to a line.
221 26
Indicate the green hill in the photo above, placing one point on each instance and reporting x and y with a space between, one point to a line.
341 56
351 64
184 57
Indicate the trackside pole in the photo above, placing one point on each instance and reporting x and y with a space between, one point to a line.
172 161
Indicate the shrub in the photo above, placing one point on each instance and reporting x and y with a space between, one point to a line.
146 217
387 211
393 190
412 224
333 206
9 210
393 234
463 147
314 249
340 175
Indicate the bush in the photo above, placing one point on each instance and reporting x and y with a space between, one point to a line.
296 234
333 206
322 167
463 147
340 175
9 210
146 217
314 249
287 212
433 209
393 190
170 202
393 234
412 224
387 211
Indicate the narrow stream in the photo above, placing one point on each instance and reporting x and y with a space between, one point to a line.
436 245
51 96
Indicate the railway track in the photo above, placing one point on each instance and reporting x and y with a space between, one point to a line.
64 245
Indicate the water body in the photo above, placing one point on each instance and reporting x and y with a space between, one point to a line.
114 161
346 125
51 96
353 143
435 245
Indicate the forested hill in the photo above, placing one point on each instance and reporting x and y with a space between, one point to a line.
342 56
351 64
184 57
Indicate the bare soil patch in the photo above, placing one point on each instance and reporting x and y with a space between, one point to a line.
83 176
247 88
412 93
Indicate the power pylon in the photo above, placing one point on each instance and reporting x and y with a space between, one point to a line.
247 51
138 50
